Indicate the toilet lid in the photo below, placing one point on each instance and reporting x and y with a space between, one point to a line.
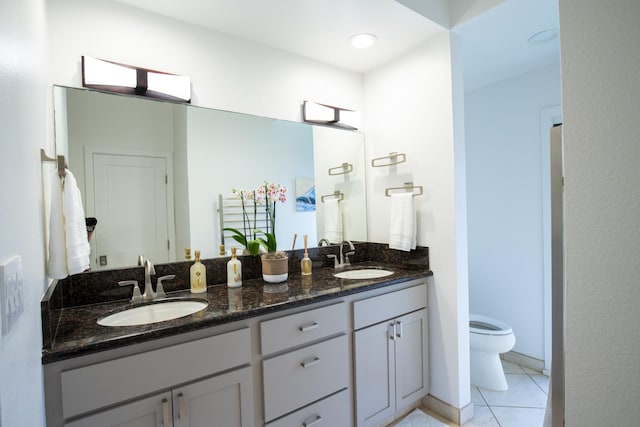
487 326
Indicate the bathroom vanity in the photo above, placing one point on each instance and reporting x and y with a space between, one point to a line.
315 350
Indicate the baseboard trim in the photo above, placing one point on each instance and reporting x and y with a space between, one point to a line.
451 413
524 360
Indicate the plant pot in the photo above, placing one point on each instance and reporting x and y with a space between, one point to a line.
275 270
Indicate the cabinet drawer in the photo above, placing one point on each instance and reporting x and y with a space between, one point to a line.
95 386
295 379
382 307
296 329
333 411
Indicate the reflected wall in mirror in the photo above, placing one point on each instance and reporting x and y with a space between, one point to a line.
152 172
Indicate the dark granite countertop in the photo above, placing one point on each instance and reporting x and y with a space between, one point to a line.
76 332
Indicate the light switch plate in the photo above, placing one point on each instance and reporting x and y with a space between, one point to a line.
11 293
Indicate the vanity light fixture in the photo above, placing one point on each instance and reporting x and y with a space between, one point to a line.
114 77
313 112
363 40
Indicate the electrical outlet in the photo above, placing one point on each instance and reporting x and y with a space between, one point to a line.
11 294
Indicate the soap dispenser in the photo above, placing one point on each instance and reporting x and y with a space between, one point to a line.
305 263
234 271
198 276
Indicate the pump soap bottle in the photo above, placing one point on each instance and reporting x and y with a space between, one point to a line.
305 264
234 271
198 276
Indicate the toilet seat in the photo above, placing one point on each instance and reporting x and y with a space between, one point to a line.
484 325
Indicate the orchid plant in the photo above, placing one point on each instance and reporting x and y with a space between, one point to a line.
267 194
270 194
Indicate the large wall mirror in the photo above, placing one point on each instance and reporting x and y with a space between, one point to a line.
153 174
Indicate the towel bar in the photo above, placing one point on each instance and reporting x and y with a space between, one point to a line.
336 195
62 164
408 186
393 159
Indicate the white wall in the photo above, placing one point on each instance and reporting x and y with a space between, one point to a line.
409 107
229 150
600 93
226 73
331 148
505 213
98 120
25 115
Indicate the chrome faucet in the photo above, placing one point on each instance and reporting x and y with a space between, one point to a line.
149 270
343 259
323 242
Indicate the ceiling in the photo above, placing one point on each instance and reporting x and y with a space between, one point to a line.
494 44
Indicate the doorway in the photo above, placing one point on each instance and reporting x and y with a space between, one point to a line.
129 194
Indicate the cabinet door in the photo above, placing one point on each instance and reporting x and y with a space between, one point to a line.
375 377
221 401
154 411
412 358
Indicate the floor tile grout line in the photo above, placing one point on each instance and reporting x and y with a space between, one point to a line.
494 416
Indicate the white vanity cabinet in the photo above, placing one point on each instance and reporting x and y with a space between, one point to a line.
390 353
205 382
306 368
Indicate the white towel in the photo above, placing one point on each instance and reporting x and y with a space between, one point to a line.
402 233
68 242
332 220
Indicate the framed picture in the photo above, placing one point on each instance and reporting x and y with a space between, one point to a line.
305 195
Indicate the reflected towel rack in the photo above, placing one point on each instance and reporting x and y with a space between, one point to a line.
231 215
408 186
336 195
392 159
62 164
342 169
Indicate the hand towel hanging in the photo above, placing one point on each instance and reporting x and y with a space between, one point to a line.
402 232
68 242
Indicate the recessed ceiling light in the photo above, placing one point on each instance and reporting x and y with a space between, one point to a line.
363 40
543 37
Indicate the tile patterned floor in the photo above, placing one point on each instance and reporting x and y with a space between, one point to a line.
523 405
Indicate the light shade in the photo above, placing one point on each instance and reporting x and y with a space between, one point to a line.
363 40
313 112
113 77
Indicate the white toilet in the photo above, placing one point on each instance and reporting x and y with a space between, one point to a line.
488 338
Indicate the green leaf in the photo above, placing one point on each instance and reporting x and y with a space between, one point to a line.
237 236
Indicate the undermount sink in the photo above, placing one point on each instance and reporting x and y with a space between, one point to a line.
152 313
363 273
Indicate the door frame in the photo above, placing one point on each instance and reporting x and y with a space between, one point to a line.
548 118
89 200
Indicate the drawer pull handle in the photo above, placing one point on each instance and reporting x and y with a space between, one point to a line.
312 423
309 327
165 412
310 363
180 406
392 332
399 332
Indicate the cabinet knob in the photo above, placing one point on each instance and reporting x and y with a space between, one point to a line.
165 413
399 329
309 363
180 406
316 421
309 327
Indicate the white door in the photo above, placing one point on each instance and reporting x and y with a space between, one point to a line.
128 194
412 358
222 401
375 374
